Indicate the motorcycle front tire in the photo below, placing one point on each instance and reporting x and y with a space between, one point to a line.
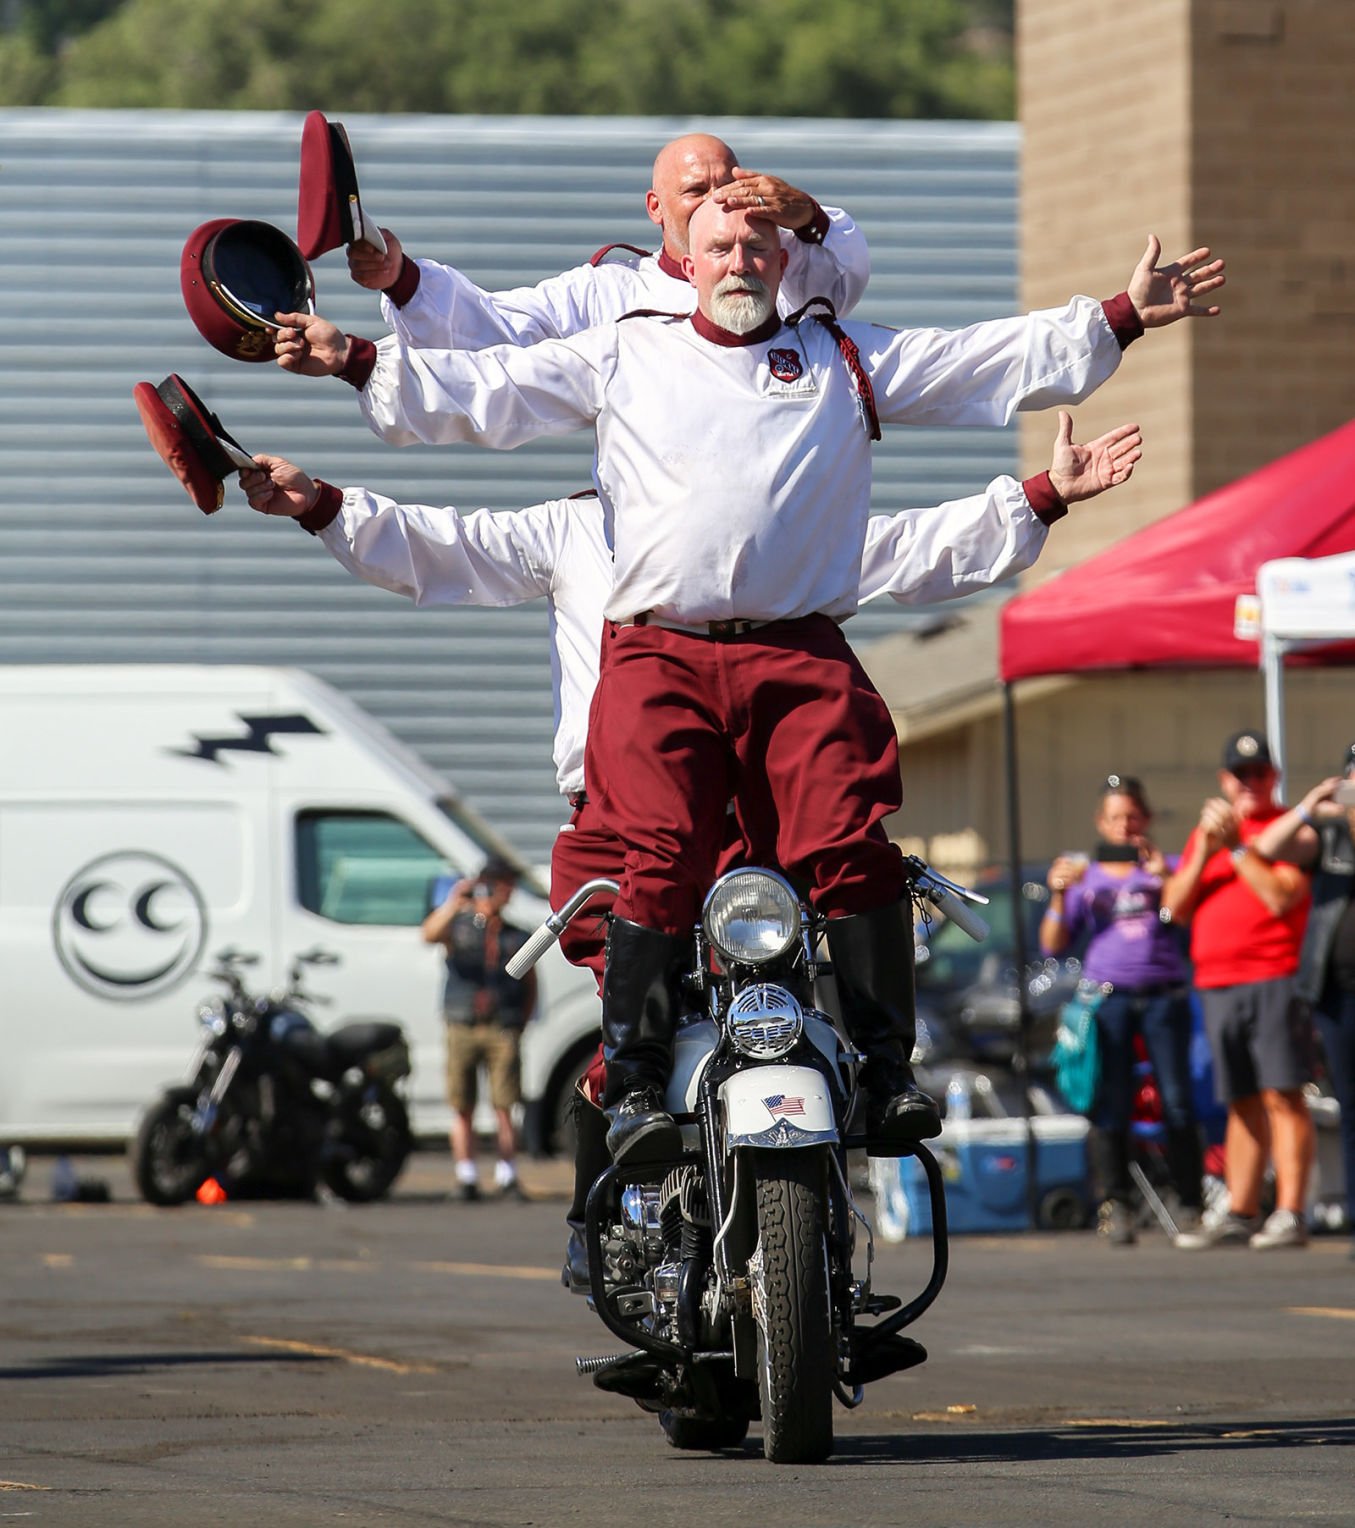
794 1332
168 1162
371 1157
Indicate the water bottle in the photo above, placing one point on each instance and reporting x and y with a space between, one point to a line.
958 1102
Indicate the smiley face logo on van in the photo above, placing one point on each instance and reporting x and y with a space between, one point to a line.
129 926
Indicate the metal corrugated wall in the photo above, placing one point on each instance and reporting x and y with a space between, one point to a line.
101 557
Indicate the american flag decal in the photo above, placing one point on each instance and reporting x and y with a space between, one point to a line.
780 1104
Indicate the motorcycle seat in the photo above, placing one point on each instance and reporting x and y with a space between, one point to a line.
353 1042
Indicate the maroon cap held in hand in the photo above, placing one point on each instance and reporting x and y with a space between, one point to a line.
236 274
329 211
190 440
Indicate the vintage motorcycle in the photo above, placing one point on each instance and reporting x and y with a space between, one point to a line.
274 1107
728 1271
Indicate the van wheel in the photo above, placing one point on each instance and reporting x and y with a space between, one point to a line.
168 1163
556 1114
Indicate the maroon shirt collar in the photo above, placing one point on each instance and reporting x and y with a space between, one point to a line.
671 267
718 336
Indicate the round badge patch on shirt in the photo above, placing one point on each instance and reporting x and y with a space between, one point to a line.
786 365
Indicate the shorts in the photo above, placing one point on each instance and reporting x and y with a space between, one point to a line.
1260 1034
470 1046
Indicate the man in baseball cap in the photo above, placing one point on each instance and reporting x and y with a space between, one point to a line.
1246 751
1247 913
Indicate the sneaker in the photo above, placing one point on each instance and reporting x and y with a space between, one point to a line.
1188 1218
1115 1221
1231 1231
1283 1228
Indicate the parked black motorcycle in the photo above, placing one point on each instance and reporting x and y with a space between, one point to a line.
275 1107
728 1270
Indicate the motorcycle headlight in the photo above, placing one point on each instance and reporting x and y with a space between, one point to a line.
764 1022
751 916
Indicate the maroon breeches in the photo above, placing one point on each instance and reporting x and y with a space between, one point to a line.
785 719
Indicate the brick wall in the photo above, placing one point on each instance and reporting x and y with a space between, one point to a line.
1221 122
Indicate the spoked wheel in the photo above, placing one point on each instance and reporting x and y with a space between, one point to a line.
791 1307
168 1162
372 1153
703 1434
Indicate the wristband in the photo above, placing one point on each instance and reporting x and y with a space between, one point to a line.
1053 915
1305 816
1241 852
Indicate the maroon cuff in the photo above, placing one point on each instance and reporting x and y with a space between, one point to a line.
405 284
1044 499
815 231
1123 318
325 509
361 359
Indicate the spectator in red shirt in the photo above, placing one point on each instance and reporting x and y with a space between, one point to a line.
1247 916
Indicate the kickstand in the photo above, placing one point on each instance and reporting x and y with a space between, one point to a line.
1154 1199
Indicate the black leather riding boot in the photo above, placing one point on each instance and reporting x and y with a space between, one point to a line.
591 1160
639 1019
872 955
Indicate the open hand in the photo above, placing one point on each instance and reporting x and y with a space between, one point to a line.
766 196
1162 294
1081 472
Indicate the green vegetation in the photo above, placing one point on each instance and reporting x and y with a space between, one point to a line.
804 58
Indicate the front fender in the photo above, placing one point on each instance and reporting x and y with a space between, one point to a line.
785 1106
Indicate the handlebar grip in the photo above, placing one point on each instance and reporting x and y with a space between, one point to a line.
532 951
959 912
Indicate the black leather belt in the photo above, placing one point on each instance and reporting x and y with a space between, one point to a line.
720 631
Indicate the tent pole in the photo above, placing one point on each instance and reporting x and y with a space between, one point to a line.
1019 953
1272 668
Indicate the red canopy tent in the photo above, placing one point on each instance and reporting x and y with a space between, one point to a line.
1165 596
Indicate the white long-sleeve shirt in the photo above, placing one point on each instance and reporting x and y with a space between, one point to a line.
559 551
738 473
447 311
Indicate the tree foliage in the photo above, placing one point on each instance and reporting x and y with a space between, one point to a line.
819 58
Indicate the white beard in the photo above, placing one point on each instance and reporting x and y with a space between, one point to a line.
741 314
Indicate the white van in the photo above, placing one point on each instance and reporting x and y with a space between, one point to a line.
152 815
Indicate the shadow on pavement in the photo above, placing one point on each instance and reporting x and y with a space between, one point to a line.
104 1366
1103 1441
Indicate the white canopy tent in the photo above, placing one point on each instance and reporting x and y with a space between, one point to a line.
1306 603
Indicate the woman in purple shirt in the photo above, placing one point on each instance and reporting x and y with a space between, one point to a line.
1134 959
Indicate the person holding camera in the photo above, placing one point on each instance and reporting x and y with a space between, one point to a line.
1247 915
1319 836
1135 966
485 1010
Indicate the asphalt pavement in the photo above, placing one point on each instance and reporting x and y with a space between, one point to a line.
412 1362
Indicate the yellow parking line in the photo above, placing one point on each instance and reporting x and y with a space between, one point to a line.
365 1360
21 1485
491 1270
57 1260
255 1264
1331 1312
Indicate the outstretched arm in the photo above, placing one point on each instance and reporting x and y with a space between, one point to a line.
921 556
433 556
